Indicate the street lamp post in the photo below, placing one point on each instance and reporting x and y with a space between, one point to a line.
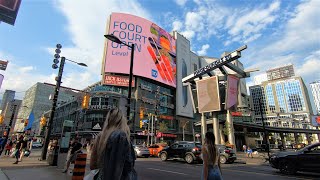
264 128
115 39
56 94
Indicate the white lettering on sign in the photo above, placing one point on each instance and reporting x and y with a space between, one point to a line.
100 107
97 126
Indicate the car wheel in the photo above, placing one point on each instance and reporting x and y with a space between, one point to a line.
287 168
189 158
223 159
163 156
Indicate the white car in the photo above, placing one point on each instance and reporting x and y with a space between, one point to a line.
36 145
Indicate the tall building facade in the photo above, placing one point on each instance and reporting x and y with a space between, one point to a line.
37 100
280 72
285 102
7 113
315 90
8 96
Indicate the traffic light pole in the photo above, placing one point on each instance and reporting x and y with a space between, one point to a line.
53 109
9 128
129 91
264 128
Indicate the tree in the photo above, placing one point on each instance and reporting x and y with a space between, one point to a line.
226 128
163 127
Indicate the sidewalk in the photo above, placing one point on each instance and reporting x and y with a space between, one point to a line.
258 159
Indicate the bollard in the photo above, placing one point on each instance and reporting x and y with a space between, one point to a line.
79 167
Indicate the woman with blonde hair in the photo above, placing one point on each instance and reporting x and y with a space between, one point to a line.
112 152
210 156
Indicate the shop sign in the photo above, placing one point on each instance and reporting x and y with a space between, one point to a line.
146 87
160 134
147 100
166 117
97 126
101 107
236 113
116 80
112 89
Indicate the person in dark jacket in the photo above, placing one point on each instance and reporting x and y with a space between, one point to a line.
18 149
112 152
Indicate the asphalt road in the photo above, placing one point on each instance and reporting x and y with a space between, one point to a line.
154 169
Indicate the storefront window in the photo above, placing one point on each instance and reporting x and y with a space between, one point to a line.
95 100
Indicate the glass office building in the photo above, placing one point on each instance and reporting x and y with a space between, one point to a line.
315 90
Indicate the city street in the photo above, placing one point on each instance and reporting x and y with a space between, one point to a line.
153 168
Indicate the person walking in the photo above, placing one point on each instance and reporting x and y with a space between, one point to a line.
75 148
210 156
18 149
24 148
8 148
112 152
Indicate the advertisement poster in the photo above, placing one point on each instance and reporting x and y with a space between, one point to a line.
1 80
116 80
208 95
315 121
232 91
9 10
154 53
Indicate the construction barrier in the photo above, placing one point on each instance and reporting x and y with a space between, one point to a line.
79 167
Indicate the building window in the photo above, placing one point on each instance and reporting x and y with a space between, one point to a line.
95 101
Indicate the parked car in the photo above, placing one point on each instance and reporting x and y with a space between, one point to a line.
141 151
36 145
187 150
305 159
156 148
227 154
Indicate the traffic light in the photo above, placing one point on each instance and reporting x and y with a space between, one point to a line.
43 121
26 122
85 101
141 114
141 124
1 119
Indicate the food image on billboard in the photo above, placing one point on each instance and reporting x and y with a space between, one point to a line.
208 95
154 53
9 10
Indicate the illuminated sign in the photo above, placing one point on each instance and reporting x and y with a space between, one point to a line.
116 80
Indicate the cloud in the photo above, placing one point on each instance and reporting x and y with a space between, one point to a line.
181 2
176 25
26 69
310 68
203 50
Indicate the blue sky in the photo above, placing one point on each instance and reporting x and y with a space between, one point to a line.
276 32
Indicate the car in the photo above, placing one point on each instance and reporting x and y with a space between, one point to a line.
289 162
141 151
227 154
188 150
156 148
36 145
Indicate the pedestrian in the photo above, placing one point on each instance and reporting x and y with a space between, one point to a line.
24 148
210 156
74 150
249 151
2 144
244 148
8 148
112 152
18 149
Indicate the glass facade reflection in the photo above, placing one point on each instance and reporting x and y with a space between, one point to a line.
294 96
270 98
281 98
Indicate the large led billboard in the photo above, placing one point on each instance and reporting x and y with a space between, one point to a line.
154 53
208 95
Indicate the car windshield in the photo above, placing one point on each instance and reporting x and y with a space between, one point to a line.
305 148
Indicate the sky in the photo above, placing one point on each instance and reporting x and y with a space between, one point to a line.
276 33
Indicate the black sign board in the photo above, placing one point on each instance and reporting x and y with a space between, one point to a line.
9 10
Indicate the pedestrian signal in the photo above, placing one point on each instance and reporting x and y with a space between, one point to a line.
26 122
141 114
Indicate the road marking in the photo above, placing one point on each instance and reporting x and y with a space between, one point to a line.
168 171
263 174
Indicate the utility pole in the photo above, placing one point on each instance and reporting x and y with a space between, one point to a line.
157 96
264 128
55 99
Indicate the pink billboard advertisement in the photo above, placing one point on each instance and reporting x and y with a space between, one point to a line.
154 53
232 91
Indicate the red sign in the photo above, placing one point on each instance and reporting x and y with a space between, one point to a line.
160 134
117 80
232 91
236 113
166 117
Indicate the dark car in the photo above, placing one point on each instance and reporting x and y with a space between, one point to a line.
227 154
305 159
187 150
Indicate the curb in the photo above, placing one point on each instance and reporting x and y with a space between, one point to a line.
3 175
